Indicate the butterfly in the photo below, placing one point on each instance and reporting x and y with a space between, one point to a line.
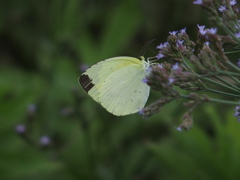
116 83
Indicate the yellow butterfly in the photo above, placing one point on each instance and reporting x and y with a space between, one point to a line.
116 83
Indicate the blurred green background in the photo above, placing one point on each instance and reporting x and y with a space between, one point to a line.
44 47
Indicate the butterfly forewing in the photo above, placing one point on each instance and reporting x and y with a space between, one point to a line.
93 78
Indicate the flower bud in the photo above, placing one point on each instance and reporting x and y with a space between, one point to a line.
187 122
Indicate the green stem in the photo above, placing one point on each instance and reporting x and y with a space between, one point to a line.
232 52
221 92
213 74
233 66
235 79
214 100
187 66
192 71
219 85
229 73
228 83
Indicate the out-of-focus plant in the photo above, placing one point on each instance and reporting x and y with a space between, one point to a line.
59 134
194 155
199 66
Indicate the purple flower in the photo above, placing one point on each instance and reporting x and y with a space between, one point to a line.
141 111
20 128
202 30
238 63
207 43
148 70
83 67
237 35
222 8
233 2
183 31
175 66
31 108
237 108
179 128
165 44
173 33
170 80
159 56
237 113
44 140
198 2
145 80
212 30
161 66
160 46
180 43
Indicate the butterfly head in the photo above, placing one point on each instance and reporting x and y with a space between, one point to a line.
145 63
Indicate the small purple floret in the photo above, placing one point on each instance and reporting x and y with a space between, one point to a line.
175 66
173 33
44 140
183 31
140 111
222 8
20 128
238 63
202 29
31 108
145 80
159 56
179 128
212 30
161 66
170 80
83 67
233 2
207 43
198 2
237 35
160 46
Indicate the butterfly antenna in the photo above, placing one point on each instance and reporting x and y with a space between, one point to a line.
153 59
153 51
144 49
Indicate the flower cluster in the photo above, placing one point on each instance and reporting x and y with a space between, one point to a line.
25 130
200 65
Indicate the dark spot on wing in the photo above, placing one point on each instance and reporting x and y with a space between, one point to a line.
85 82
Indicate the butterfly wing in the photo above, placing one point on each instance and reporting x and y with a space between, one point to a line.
91 81
123 92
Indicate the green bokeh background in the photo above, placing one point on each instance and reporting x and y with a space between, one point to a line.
44 45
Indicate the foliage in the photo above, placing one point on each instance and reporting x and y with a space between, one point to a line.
50 129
